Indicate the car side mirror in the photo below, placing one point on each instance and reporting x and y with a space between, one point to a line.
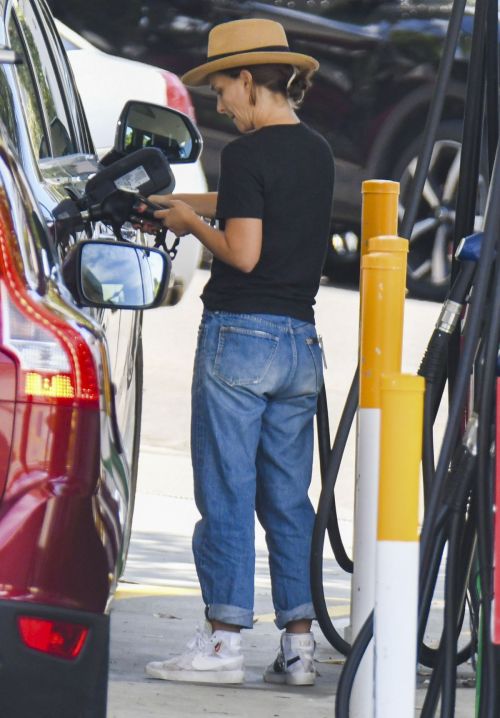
117 275
142 124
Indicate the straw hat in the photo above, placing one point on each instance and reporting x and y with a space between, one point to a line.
247 42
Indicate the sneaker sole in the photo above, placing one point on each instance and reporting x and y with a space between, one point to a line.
289 679
304 679
214 677
276 678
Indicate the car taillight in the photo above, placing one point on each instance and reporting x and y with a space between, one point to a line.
178 96
55 362
55 638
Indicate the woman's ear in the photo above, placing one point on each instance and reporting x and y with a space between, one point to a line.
249 85
246 77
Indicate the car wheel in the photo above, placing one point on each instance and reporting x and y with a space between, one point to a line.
431 241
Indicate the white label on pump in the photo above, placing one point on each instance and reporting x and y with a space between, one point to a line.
133 179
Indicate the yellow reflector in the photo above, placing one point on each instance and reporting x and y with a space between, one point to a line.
57 386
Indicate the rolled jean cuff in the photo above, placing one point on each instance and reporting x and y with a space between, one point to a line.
305 612
234 615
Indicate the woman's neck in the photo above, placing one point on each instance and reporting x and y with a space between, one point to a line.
269 111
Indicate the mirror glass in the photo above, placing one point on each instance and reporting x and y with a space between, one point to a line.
145 125
121 276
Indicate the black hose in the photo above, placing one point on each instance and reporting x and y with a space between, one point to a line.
428 442
433 691
323 425
470 160
433 365
323 515
484 494
489 678
433 117
451 609
492 81
472 132
445 659
460 479
346 682
471 336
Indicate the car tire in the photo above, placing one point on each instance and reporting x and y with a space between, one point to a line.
431 242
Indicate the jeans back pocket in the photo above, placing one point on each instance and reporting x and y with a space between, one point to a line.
244 356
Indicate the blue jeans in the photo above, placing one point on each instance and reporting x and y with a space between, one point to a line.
254 396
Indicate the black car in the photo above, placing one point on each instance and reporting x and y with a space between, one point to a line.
370 98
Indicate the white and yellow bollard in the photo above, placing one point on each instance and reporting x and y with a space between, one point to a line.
397 552
381 339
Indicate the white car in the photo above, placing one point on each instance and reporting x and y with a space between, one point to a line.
106 83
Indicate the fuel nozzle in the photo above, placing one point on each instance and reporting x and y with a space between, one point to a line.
114 195
68 216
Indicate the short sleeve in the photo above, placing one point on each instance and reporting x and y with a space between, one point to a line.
241 191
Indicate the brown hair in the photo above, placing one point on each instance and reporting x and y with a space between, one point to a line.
279 78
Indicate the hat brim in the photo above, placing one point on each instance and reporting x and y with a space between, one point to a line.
199 75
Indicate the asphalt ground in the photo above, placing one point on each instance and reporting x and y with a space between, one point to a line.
158 604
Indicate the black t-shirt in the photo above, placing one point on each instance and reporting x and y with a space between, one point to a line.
282 174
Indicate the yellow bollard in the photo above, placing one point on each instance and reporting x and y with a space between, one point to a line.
396 592
396 246
402 401
388 243
379 211
382 306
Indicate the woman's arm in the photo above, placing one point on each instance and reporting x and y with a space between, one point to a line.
203 203
239 245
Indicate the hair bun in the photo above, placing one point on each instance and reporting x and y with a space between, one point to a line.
297 86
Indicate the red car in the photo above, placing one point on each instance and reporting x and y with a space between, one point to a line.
70 365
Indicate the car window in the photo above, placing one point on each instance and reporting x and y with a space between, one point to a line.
74 106
29 99
46 103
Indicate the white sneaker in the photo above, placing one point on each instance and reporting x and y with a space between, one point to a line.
294 664
209 658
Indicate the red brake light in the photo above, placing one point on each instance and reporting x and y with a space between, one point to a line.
55 362
56 638
178 96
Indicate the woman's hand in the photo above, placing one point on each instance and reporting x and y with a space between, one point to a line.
163 200
176 216
179 218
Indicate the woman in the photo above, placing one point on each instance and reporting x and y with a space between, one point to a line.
258 366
